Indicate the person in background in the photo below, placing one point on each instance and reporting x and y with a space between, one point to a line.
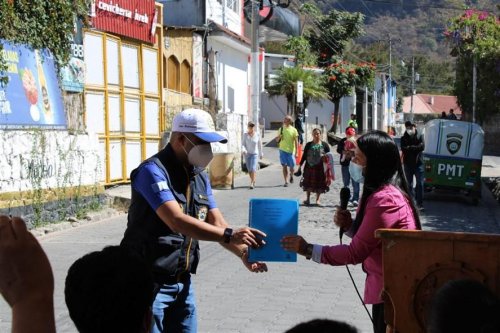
172 208
346 153
412 146
252 151
288 142
464 306
443 115
322 326
452 115
110 291
314 178
352 122
300 128
385 203
26 279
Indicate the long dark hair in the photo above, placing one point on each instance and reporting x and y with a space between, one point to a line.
383 167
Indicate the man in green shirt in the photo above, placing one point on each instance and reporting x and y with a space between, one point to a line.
288 146
353 123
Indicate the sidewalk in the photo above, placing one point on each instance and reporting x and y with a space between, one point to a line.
491 166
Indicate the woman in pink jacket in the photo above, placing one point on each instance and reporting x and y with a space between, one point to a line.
385 203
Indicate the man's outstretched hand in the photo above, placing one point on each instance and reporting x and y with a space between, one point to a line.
256 267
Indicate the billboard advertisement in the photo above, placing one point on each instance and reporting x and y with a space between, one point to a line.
73 74
32 97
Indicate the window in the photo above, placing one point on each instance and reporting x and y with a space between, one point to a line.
130 66
185 77
150 70
93 59
234 5
112 66
173 73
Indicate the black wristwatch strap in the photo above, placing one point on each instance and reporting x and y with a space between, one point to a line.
228 233
309 251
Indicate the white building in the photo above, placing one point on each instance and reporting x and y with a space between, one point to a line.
372 107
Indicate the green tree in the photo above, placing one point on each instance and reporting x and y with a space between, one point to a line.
475 35
299 46
331 34
342 77
40 24
285 84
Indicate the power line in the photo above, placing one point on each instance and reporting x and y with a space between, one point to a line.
331 38
411 5
364 4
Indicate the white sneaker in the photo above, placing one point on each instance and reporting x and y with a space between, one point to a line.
354 203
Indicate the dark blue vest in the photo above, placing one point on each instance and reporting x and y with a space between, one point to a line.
171 254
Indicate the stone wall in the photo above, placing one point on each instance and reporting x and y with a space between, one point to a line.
47 159
43 171
77 207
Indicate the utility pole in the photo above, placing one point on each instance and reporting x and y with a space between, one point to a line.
254 64
474 84
412 86
389 91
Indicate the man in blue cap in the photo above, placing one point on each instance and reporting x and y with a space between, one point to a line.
172 208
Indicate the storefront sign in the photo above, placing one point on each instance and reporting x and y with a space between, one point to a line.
197 66
131 18
32 96
73 74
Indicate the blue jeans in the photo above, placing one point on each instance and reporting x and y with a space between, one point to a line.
418 172
346 179
174 309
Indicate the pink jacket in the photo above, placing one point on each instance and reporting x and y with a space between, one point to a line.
386 208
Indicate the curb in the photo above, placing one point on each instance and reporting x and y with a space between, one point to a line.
73 222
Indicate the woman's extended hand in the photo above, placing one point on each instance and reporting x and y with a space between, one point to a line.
342 219
294 243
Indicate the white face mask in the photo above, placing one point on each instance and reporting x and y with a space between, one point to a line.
356 172
199 156
410 131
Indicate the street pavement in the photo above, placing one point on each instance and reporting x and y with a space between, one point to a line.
231 299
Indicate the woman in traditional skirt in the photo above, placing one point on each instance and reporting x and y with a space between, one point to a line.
314 178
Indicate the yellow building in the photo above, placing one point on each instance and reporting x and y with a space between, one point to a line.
123 85
183 70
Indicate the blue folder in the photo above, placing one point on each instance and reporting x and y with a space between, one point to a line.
277 218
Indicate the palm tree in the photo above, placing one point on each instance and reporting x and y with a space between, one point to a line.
285 84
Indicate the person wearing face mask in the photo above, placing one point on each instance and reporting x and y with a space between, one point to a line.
385 203
412 145
172 208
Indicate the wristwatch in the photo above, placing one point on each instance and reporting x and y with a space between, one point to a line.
309 251
228 233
